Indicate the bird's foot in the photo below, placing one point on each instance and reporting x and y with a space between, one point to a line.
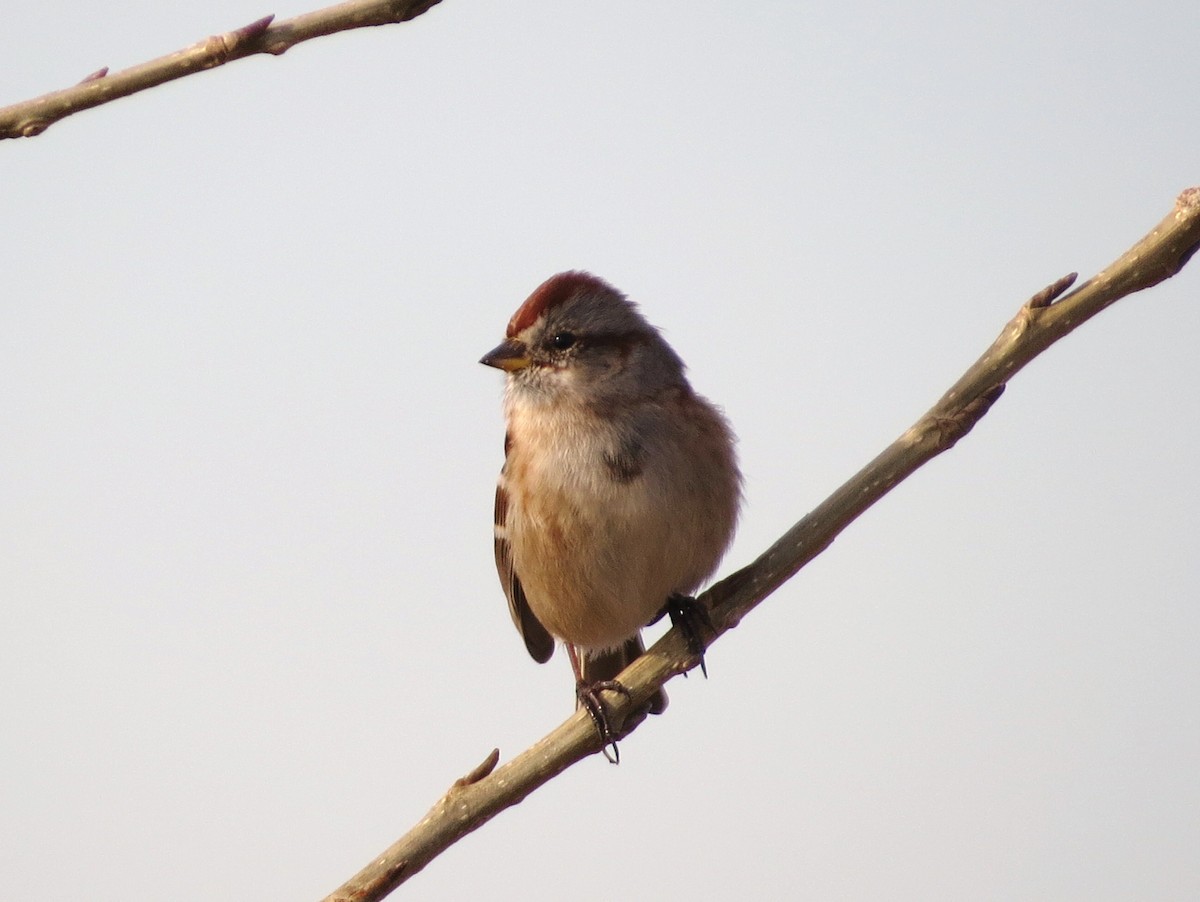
691 618
589 697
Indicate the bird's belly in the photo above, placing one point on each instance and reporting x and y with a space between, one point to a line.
594 581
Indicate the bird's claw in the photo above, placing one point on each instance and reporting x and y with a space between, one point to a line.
690 617
589 697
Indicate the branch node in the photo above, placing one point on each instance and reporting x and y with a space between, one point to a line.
484 768
255 29
1051 293
95 76
951 428
224 46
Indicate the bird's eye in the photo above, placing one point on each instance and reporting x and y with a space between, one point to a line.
562 340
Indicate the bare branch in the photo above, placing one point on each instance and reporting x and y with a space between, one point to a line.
1049 315
32 117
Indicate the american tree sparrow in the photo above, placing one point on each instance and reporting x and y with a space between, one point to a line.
620 488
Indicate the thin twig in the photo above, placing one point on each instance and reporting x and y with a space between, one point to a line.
32 117
1049 315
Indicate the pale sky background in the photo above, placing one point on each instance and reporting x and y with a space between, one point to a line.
251 628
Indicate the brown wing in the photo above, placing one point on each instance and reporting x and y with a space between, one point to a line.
539 642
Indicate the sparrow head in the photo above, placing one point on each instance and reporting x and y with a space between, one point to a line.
578 336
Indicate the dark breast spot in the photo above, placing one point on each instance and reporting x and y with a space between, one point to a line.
625 462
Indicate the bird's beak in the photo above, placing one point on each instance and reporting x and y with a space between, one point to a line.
510 355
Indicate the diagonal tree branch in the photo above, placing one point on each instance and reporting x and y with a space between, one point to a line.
476 798
32 117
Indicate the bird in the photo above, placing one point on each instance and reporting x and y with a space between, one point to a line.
620 488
